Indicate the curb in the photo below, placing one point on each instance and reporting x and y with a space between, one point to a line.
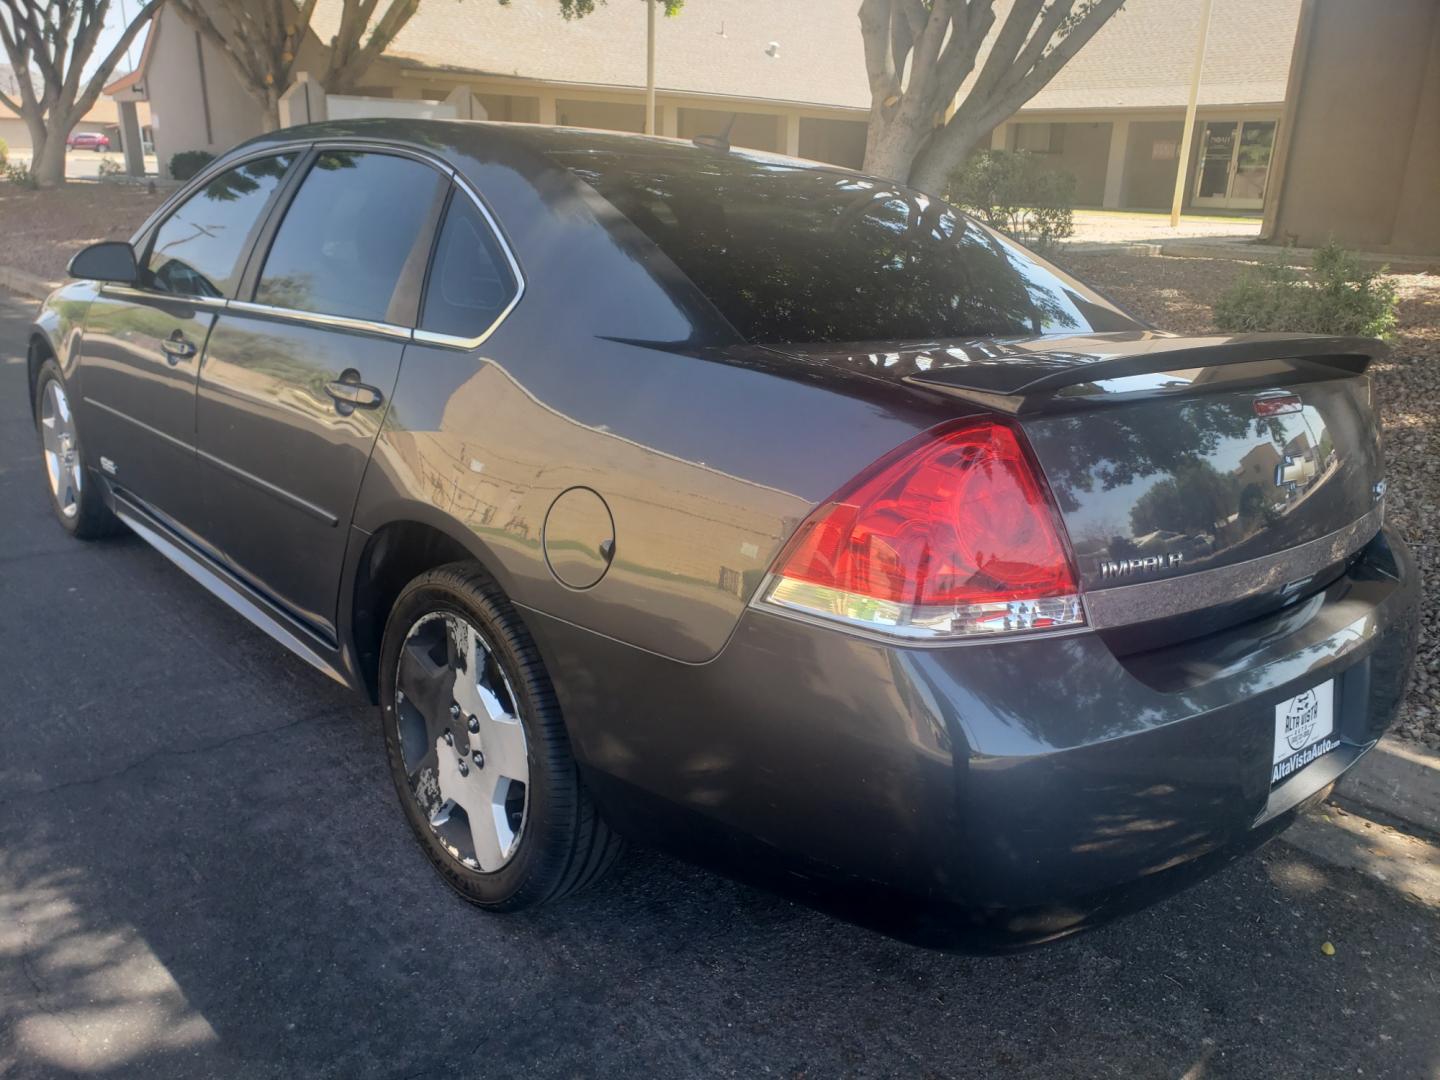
23 284
1245 251
1400 780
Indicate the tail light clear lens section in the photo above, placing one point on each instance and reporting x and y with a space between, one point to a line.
953 535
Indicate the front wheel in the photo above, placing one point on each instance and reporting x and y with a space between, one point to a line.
478 749
78 504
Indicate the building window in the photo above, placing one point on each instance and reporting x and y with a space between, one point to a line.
1040 138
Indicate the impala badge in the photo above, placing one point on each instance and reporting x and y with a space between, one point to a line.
1112 569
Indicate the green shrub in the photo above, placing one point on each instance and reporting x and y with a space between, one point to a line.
1340 296
1012 191
4 153
187 163
16 173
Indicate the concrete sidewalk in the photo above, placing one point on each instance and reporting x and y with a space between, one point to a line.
1383 821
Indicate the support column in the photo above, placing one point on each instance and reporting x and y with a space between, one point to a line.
466 105
547 109
791 123
1115 165
132 142
304 102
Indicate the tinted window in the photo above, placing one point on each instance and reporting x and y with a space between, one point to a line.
199 248
794 255
348 236
470 281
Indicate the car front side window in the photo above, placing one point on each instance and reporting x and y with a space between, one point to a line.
355 226
200 248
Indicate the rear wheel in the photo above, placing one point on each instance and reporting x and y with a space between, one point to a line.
478 750
78 504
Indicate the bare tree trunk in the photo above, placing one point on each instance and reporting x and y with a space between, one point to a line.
48 163
270 121
890 147
940 157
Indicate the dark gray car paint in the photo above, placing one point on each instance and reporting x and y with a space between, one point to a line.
975 777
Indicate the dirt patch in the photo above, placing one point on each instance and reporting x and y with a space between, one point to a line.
1177 294
41 230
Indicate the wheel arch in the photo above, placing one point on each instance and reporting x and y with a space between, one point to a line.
386 560
37 352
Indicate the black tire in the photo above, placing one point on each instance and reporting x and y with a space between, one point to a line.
83 514
564 844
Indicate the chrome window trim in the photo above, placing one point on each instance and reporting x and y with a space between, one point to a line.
1124 605
130 292
453 341
338 322
315 318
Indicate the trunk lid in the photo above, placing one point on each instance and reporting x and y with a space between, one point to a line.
1215 475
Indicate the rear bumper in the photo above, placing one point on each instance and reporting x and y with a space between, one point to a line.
989 796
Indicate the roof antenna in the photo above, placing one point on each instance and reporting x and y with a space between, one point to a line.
719 142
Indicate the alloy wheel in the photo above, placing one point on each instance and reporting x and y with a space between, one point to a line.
461 741
62 454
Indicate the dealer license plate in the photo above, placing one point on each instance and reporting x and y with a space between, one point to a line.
1304 730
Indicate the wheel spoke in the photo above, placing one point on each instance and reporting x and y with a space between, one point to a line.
504 741
475 794
427 684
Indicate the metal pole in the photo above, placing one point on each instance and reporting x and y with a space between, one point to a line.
650 67
1188 134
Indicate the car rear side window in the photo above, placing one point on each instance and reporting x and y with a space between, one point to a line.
471 282
358 222
792 255
199 249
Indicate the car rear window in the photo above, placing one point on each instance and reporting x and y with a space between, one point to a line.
797 255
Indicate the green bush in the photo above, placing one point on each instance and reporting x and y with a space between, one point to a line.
16 173
4 152
1340 297
187 163
1012 191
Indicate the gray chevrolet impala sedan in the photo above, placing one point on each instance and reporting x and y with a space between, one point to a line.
775 514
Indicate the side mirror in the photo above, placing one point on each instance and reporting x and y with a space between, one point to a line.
109 260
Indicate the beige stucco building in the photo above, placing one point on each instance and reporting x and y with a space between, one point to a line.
1359 158
793 77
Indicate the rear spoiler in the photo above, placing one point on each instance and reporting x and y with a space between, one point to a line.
1033 380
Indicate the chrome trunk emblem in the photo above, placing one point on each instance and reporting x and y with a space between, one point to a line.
1117 568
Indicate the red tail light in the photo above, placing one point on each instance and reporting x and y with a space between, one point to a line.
952 535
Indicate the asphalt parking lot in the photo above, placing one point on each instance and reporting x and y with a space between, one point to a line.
204 873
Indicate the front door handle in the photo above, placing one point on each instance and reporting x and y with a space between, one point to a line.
177 347
350 396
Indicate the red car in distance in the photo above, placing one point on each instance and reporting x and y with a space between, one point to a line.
88 140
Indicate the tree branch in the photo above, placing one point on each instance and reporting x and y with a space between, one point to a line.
355 61
1048 65
1006 47
91 93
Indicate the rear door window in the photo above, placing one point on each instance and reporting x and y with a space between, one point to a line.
356 228
200 248
471 282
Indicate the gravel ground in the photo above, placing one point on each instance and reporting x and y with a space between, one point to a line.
1176 294
43 229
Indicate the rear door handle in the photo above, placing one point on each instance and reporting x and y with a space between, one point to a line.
177 347
350 396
